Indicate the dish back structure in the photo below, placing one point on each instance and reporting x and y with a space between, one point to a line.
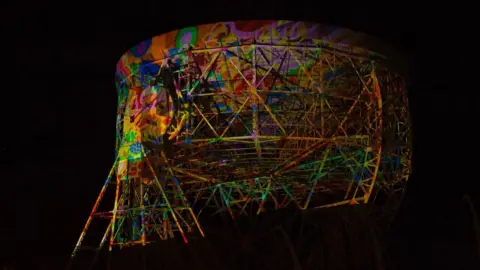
250 116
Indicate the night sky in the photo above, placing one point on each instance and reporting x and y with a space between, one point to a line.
59 111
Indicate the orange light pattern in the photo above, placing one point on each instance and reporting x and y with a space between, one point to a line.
236 117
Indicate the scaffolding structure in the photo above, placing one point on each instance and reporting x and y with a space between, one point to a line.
238 118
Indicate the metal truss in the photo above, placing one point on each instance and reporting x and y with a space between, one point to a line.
240 130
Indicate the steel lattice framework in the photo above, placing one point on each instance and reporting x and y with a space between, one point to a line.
245 117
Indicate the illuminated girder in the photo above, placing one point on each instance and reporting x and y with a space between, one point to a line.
271 124
242 129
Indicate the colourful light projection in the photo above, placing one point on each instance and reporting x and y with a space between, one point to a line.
234 116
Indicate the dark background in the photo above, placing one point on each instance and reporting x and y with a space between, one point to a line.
59 108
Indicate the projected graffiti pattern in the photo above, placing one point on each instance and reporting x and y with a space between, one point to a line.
245 117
